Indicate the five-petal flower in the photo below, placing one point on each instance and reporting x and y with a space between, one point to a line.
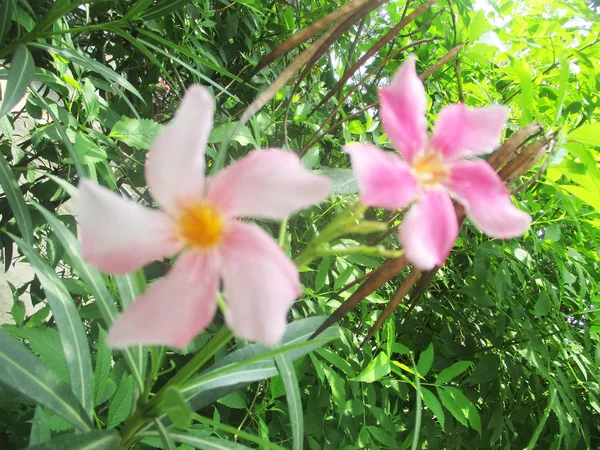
432 169
199 217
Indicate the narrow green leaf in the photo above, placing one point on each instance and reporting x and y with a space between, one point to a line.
418 411
121 404
70 190
103 366
137 8
425 361
68 322
176 408
5 18
16 201
20 76
292 392
450 373
84 60
164 436
40 431
205 442
375 370
22 371
93 440
164 8
434 405
93 279
468 408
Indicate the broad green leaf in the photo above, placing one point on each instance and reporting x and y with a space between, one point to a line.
382 436
478 26
344 182
94 281
378 368
26 374
40 431
434 405
176 408
450 373
356 127
136 133
16 201
469 409
85 61
338 387
542 305
121 403
92 440
588 134
294 401
425 361
72 333
20 76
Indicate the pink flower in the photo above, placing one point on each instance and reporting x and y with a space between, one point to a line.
433 169
199 218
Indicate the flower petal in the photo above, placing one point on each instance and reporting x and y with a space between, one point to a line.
384 180
260 284
429 230
175 164
461 131
486 199
174 309
119 235
269 184
403 103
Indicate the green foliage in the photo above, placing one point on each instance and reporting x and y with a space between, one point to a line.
506 336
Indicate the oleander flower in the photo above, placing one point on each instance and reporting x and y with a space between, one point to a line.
199 218
433 169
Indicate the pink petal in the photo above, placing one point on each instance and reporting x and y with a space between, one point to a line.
119 235
384 180
260 284
488 204
403 104
174 309
429 230
461 131
175 164
269 184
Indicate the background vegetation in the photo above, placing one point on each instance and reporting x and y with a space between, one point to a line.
504 341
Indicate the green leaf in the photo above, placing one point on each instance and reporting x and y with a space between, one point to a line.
588 134
87 62
356 127
121 403
478 26
93 440
234 400
103 366
40 431
26 374
94 281
322 271
16 200
542 305
451 405
20 76
6 8
466 406
425 361
205 443
449 373
164 436
294 401
378 368
68 322
383 437
338 387
87 150
136 133
164 8
434 405
344 182
176 408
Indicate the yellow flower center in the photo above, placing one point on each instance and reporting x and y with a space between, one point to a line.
201 225
429 169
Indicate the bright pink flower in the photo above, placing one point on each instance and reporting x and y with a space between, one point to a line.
432 169
199 218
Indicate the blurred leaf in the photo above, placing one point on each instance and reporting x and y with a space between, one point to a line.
176 408
26 374
292 393
343 180
40 431
164 8
16 200
588 134
92 440
6 9
20 75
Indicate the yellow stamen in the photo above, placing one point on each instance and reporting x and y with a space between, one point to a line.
429 169
201 225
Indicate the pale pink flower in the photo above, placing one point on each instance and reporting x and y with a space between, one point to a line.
199 218
431 170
